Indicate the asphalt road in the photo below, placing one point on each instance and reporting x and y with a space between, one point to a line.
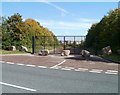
23 79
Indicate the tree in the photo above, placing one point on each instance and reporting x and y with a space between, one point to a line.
107 31
16 32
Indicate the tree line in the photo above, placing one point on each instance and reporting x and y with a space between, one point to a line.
17 32
106 32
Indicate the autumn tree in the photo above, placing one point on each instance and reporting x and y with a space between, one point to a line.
17 32
107 31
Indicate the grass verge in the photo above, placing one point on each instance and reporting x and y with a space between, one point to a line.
13 52
113 57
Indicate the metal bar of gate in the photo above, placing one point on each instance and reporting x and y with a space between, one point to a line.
64 42
33 44
74 44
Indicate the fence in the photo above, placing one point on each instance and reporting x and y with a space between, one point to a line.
55 44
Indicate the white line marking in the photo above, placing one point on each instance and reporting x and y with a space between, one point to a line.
110 73
54 68
2 61
10 63
70 68
82 69
42 67
20 64
20 87
65 69
96 71
58 64
77 70
57 67
31 65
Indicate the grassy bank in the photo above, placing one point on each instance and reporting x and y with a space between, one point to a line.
113 57
12 52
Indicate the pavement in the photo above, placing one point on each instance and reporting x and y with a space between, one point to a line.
77 63
33 79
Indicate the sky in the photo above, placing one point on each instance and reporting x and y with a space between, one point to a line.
62 18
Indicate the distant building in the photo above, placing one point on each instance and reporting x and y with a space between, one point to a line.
69 42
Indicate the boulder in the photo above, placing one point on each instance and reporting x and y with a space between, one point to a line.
118 51
43 52
65 53
23 48
12 48
107 50
85 54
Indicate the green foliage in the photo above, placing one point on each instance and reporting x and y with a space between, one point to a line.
17 32
107 32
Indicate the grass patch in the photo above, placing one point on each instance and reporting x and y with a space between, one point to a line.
113 57
13 52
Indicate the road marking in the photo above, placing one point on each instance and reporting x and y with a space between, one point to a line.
20 87
81 69
70 68
31 65
58 64
20 64
10 63
110 73
65 68
42 67
2 61
96 71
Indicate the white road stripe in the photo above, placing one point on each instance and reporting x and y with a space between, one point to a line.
42 67
55 68
96 71
2 61
58 64
20 64
10 63
82 69
70 68
31 65
77 70
65 69
20 87
110 73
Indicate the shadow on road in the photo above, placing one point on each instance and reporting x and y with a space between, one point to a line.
92 58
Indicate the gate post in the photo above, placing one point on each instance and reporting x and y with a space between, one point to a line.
64 42
74 44
33 44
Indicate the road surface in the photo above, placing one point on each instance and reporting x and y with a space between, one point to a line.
27 79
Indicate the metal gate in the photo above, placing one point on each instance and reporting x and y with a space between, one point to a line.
55 44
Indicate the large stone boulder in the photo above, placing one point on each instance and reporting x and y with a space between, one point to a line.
65 53
85 54
107 50
23 48
12 48
43 52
